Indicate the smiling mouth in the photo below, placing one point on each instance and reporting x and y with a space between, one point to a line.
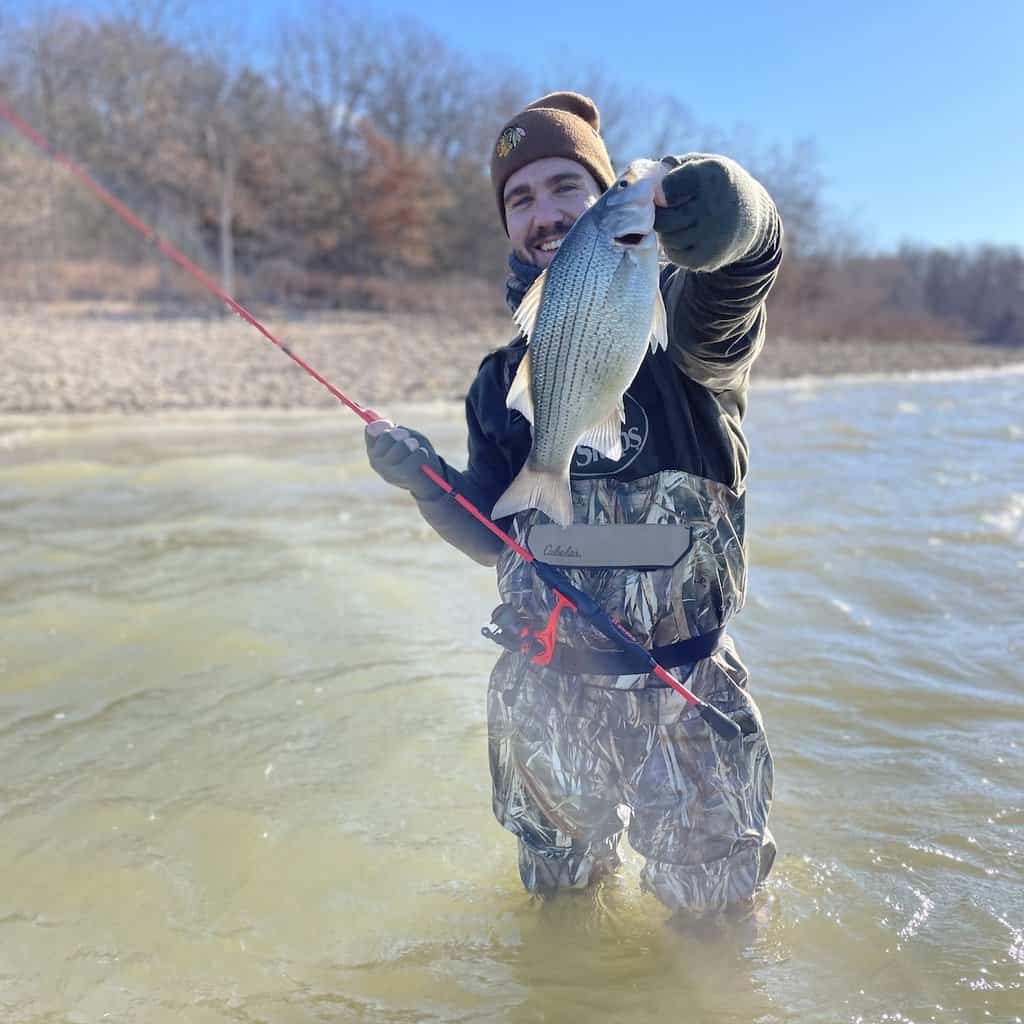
550 244
634 238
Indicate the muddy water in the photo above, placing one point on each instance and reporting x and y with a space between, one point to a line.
243 742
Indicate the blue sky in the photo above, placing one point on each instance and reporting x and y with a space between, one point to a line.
917 109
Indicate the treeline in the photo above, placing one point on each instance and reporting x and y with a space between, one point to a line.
347 168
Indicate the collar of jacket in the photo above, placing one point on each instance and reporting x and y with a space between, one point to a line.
518 282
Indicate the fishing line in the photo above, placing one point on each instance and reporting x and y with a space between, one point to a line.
568 596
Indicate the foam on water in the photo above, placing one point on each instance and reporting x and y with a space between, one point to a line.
1009 518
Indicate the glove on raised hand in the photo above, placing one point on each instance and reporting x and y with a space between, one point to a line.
716 211
396 454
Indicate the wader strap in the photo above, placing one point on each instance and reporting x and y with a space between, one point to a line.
577 661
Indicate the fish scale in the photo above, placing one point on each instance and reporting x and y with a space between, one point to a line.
554 418
589 319
583 349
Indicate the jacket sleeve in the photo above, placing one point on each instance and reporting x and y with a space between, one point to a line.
716 317
485 478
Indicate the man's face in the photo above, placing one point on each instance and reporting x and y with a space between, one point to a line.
542 201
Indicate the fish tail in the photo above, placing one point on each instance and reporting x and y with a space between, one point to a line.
540 489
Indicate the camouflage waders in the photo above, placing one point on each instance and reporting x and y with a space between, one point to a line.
576 760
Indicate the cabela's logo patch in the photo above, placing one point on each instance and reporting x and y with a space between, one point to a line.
510 138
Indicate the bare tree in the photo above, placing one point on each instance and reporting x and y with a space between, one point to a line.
53 78
362 155
233 111
325 66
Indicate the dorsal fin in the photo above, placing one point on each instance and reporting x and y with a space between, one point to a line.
526 315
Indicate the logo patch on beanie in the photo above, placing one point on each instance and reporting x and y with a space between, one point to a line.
510 138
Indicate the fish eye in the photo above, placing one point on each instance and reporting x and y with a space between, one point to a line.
623 183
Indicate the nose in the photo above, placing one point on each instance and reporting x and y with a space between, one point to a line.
546 213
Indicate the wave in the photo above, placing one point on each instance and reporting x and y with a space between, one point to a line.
1009 518
893 377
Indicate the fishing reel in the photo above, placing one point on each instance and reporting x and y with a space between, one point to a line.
522 633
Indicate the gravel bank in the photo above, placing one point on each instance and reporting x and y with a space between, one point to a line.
68 360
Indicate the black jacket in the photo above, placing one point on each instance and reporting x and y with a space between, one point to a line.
684 409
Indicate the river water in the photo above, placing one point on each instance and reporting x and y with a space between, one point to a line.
244 752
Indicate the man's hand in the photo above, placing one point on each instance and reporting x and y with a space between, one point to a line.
396 454
706 209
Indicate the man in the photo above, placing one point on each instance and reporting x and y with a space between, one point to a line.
586 747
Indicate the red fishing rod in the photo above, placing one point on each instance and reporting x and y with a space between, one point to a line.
568 596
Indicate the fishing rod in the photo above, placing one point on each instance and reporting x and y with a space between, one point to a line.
567 595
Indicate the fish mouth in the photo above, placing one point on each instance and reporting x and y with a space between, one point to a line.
633 238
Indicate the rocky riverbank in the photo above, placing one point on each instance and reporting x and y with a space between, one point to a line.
71 359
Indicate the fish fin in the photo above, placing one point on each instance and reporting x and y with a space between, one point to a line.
519 396
534 488
606 436
659 323
525 315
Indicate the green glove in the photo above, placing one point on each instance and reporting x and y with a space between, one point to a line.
716 212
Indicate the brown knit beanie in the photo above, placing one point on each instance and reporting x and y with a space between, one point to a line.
562 124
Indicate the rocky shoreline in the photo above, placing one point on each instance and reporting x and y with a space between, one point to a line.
58 359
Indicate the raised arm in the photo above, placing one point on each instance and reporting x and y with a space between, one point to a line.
721 230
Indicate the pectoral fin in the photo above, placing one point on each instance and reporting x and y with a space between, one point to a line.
525 315
519 396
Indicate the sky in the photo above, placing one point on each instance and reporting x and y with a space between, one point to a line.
916 109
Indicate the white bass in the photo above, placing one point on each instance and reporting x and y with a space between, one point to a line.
588 320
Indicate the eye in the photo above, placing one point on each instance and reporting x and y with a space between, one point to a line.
623 183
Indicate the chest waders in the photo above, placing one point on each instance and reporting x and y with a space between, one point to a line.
589 744
664 556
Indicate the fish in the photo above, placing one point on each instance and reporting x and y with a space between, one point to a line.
589 320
